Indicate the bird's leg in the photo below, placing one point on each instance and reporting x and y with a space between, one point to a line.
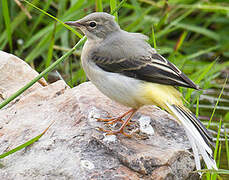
121 129
116 119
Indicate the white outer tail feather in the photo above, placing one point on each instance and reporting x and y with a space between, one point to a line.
195 151
196 140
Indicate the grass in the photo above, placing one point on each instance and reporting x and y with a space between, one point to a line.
209 123
5 12
194 35
25 144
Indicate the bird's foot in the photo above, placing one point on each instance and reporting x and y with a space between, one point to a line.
114 132
116 119
124 123
111 120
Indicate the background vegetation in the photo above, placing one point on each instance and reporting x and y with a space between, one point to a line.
193 34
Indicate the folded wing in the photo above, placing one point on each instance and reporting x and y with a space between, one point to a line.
152 68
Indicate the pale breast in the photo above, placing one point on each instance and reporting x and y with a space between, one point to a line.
117 87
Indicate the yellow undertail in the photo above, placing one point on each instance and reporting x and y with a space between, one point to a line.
170 99
160 95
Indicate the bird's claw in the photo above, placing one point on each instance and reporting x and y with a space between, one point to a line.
114 132
110 120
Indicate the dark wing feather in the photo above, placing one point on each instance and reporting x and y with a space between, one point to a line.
152 68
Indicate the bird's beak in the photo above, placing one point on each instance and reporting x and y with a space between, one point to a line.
74 23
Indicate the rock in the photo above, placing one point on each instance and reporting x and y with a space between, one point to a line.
15 74
73 148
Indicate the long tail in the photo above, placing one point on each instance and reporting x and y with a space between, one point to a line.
198 135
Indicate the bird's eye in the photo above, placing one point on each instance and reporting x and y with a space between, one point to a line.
92 24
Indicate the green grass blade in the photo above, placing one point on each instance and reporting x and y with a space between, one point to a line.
180 41
113 5
227 145
50 50
200 77
16 22
217 140
206 70
70 83
65 25
76 5
208 7
173 23
6 16
118 7
25 144
42 33
99 6
219 171
199 30
197 106
138 20
137 8
40 48
153 38
162 21
79 76
201 52
47 4
219 155
217 102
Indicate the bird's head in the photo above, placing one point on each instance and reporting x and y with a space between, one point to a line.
96 25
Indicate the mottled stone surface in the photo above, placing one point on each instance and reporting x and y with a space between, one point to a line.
73 148
14 74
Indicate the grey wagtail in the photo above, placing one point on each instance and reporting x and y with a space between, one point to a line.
124 67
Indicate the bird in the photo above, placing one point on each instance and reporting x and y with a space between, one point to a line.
124 67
